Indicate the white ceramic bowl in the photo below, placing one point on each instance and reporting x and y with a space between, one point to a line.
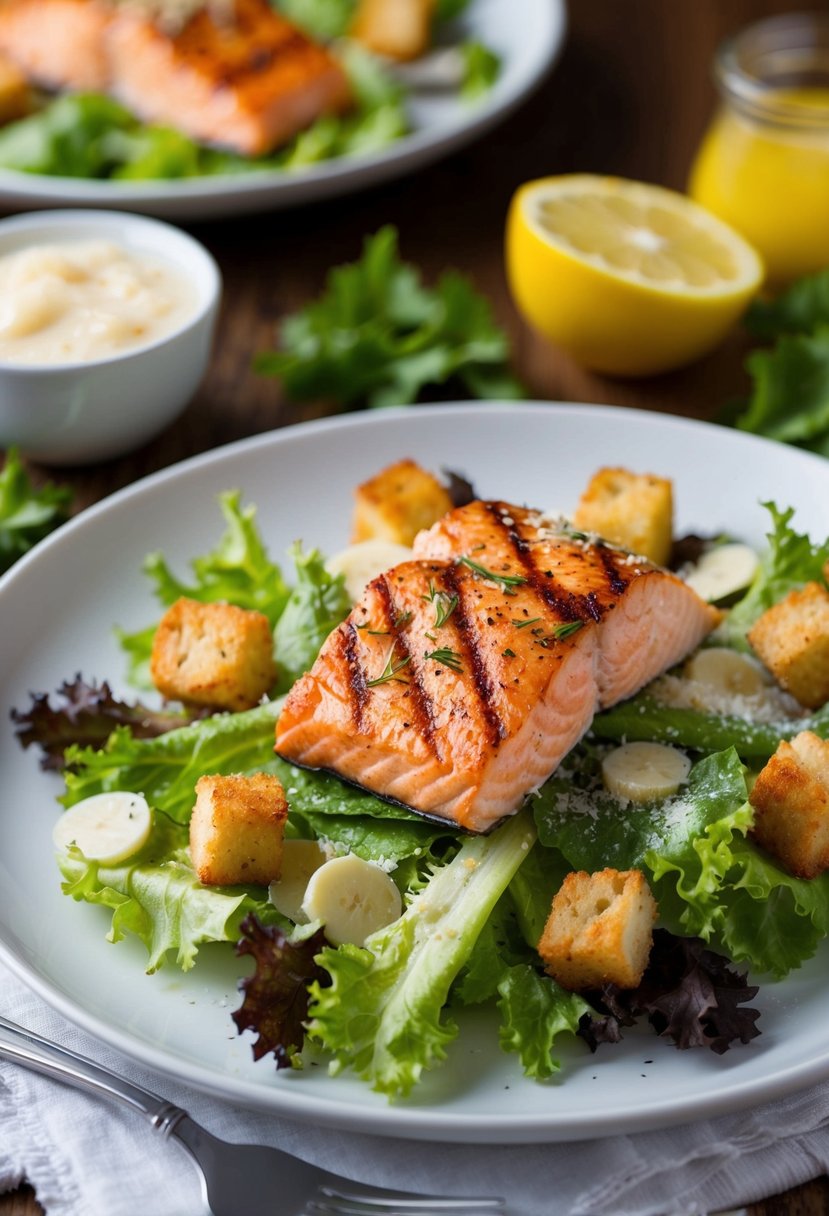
80 412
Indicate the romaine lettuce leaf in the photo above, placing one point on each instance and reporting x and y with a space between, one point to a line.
239 570
317 604
735 893
791 560
383 1015
592 829
535 1011
709 880
157 896
167 768
323 19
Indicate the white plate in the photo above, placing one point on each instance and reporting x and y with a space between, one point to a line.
528 39
58 608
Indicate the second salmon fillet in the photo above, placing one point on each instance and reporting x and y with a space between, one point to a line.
247 82
464 677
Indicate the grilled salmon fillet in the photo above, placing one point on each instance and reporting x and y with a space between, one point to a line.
463 677
248 83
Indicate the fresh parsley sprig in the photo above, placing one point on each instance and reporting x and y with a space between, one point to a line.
378 336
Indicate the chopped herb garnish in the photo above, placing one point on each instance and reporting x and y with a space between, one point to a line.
505 581
401 619
444 604
375 633
449 658
390 671
523 624
568 627
508 654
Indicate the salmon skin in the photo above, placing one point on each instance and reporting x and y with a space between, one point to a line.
462 678
248 83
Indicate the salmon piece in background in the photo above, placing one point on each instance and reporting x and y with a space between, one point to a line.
464 677
248 83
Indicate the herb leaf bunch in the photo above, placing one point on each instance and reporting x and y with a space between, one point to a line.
378 336
790 378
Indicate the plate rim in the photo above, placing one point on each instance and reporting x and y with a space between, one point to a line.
397 1120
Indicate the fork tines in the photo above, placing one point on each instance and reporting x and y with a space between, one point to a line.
342 1203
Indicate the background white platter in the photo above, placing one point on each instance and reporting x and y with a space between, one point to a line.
527 36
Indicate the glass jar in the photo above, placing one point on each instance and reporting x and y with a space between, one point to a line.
763 165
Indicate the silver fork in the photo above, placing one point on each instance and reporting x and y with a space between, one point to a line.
235 1177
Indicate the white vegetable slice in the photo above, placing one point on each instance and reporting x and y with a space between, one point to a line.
300 858
107 828
723 571
362 562
353 898
644 771
726 671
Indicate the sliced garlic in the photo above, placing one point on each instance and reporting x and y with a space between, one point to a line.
362 562
726 671
643 772
107 828
300 858
723 571
353 898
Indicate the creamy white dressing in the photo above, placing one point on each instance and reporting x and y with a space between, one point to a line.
84 300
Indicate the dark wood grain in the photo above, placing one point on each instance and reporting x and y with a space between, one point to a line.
630 96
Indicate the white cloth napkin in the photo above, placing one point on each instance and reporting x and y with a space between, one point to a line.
88 1157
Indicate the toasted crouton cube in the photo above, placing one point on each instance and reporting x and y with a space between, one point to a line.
634 510
791 805
213 654
398 503
792 639
399 29
600 930
15 95
236 829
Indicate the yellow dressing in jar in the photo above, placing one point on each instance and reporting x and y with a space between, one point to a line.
763 165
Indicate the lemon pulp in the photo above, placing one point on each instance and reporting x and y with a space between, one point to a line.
630 278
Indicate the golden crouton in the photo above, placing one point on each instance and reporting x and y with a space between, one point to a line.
399 29
792 640
634 510
791 805
213 654
236 829
600 930
397 503
15 94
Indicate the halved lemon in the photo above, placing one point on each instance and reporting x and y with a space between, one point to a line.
630 278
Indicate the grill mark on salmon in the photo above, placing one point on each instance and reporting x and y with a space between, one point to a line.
455 585
518 695
356 677
421 709
572 606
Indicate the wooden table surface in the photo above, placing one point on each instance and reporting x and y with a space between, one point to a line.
630 95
